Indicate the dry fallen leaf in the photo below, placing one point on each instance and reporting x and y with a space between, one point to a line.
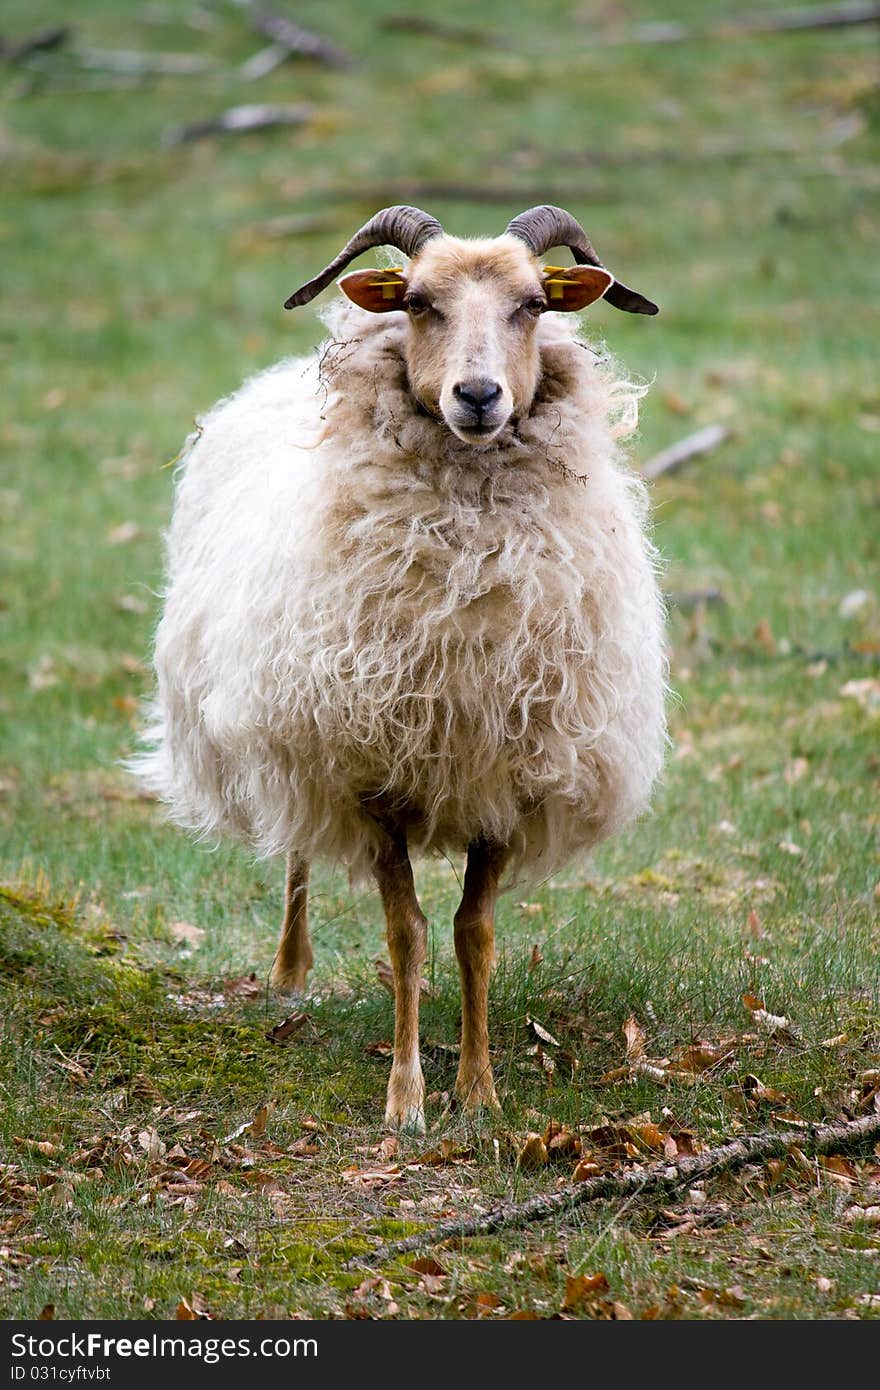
39 1146
581 1289
47 1313
290 1025
151 1144
536 958
635 1039
533 1153
540 1032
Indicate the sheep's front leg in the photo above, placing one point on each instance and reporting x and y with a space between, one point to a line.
475 949
294 958
407 939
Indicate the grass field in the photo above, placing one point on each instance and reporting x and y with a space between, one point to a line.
734 180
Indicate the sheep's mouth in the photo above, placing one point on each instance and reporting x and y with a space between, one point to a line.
476 432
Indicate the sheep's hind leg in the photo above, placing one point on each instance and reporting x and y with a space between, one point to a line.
475 949
293 959
407 940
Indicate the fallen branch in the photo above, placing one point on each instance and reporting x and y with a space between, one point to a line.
786 21
237 120
703 441
289 40
653 1178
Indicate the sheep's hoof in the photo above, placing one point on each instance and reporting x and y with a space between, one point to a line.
477 1093
290 979
405 1108
410 1121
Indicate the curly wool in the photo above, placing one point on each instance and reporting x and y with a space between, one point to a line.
362 610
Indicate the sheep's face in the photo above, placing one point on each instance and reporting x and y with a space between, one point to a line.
471 347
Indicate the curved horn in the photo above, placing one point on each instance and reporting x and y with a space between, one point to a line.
546 226
404 227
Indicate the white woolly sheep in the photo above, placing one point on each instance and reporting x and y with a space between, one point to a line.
412 604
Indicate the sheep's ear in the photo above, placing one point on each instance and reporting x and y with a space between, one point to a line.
376 290
572 287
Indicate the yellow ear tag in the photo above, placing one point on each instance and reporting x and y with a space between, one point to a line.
554 285
390 288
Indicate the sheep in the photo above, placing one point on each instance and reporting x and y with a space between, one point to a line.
412 602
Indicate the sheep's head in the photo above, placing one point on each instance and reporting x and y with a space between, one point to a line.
471 348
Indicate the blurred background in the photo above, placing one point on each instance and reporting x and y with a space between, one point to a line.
172 170
169 172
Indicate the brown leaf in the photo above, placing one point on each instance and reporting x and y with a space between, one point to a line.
755 1088
185 1312
39 1146
586 1168
635 1039
580 1289
540 1032
446 1152
303 1148
261 1119
561 1141
47 1314
426 1265
536 958
487 1303
151 1144
292 1024
533 1153
372 1177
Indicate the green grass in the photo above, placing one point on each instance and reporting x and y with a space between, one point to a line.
735 182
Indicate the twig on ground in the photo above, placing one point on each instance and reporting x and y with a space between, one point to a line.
289 40
237 120
703 441
14 50
653 1178
785 21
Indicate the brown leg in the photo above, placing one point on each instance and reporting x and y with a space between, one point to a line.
294 958
407 939
475 949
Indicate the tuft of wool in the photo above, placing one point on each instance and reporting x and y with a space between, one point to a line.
362 610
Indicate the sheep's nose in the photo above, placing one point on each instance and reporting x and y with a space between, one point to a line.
478 395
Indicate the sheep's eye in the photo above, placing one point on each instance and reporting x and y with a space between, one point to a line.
417 304
536 305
